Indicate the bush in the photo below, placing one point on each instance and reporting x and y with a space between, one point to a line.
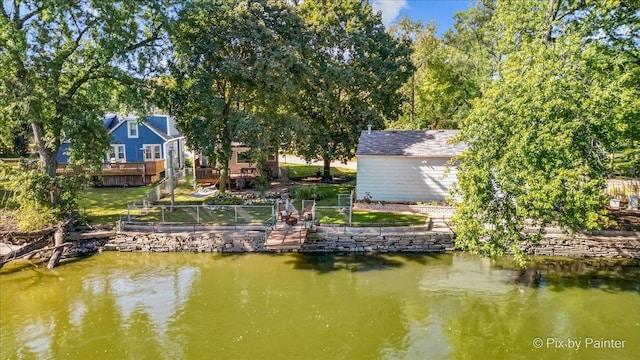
306 193
224 199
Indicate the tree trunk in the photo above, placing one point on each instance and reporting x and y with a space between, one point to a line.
48 160
58 240
552 11
612 161
413 98
326 177
224 175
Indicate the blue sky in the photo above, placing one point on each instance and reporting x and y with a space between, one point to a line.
439 10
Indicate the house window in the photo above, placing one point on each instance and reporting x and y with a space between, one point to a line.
116 154
271 154
243 158
152 152
132 127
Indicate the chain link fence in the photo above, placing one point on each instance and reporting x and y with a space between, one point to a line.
159 191
202 214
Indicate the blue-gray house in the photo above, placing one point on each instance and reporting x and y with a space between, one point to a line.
139 151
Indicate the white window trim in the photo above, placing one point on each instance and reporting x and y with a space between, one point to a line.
153 153
245 150
129 128
113 149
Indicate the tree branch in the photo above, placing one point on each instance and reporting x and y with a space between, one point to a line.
4 12
154 36
552 11
16 11
29 16
65 55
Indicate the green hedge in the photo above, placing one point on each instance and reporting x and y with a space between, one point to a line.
224 199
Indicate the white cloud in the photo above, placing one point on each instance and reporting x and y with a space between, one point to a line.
390 9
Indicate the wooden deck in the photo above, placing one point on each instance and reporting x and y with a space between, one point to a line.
207 175
121 174
289 238
240 179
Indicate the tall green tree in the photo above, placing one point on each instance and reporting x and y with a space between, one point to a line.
450 69
537 138
408 31
357 71
237 64
61 64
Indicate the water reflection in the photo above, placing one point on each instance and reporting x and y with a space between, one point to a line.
194 306
559 274
326 263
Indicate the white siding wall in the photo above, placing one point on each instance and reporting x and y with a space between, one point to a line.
171 126
397 178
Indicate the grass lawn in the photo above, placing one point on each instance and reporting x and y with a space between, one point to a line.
369 218
183 195
104 205
328 193
299 171
223 215
626 163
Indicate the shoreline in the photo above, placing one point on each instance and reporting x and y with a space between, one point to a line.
328 240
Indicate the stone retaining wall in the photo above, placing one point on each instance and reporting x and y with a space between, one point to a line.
223 241
340 239
377 240
603 244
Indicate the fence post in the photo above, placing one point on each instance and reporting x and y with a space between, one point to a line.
128 213
235 209
351 207
162 208
197 214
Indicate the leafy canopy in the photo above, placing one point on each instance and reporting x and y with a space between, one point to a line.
357 69
62 63
450 69
538 136
236 64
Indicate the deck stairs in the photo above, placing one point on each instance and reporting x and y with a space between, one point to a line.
286 238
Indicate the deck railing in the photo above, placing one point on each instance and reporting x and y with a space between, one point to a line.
212 175
148 168
207 175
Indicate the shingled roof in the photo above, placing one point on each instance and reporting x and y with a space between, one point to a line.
429 143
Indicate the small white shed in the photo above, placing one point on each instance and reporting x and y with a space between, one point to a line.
405 166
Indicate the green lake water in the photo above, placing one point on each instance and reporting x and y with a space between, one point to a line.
206 306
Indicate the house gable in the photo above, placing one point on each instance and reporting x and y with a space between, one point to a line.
160 122
133 145
149 132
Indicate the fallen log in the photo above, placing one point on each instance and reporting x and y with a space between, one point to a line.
43 240
24 250
33 252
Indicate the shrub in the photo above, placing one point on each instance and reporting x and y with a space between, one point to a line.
224 199
306 193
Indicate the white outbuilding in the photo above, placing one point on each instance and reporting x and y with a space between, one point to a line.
406 166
